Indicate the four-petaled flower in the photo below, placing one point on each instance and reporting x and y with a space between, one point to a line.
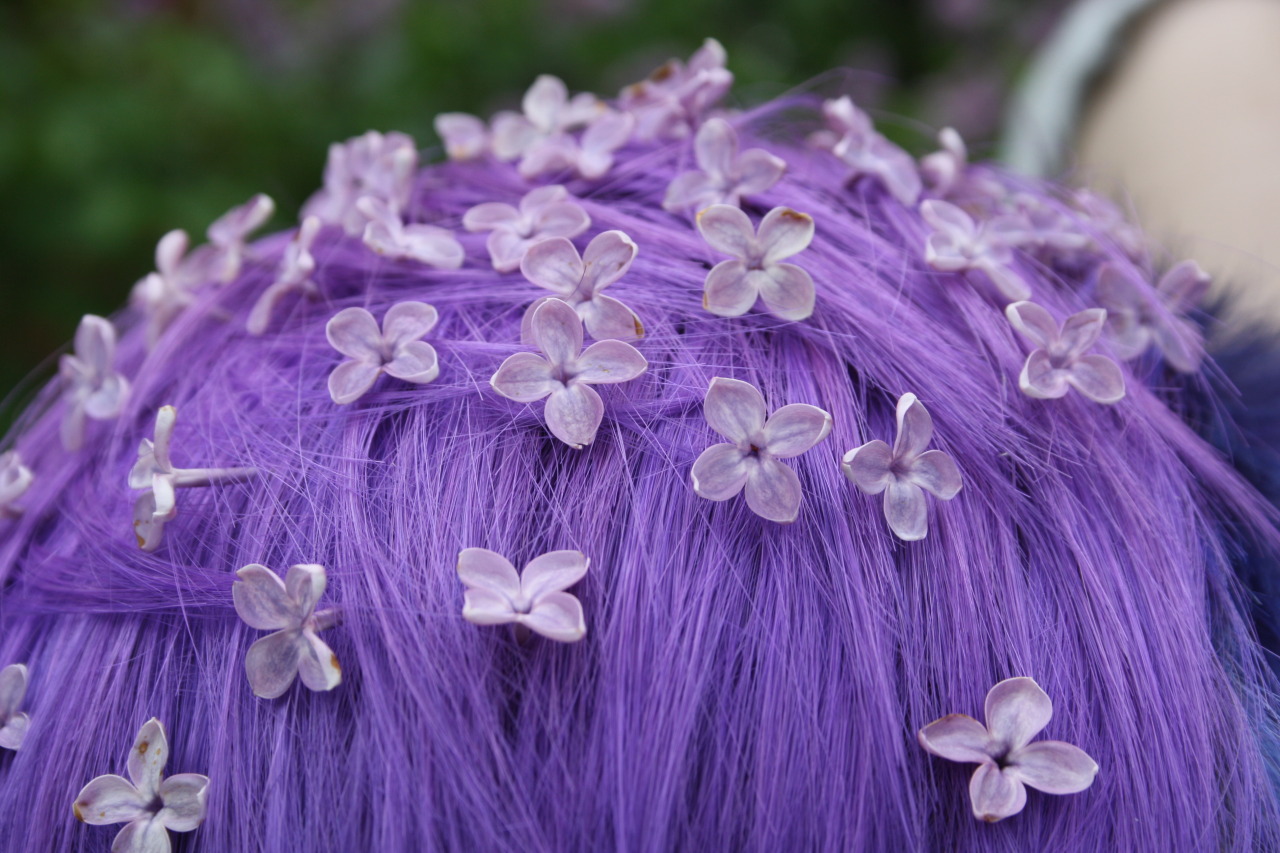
397 349
288 608
544 213
465 136
165 293
154 472
548 112
387 235
1108 219
93 387
851 137
754 272
1138 317
221 258
574 409
13 722
373 165
904 471
1060 361
534 599
15 479
671 101
149 804
591 155
724 176
958 244
750 461
943 169
296 266
581 280
1016 711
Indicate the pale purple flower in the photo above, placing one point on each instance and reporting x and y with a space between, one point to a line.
958 244
154 471
296 266
15 479
591 155
165 293
851 136
1047 227
1138 317
544 213
1016 711
13 723
755 271
672 101
147 803
724 176
370 166
387 235
221 259
534 599
943 169
547 111
1061 360
288 608
1109 219
92 387
465 136
905 471
751 460
581 280
397 349
574 409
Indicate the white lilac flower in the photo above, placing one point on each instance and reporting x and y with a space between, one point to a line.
943 169
1061 360
1016 711
465 136
154 472
905 471
564 377
374 165
851 136
165 293
13 722
288 608
397 349
958 244
723 176
590 155
149 804
296 266
547 112
671 102
580 281
92 387
534 599
751 460
1139 316
755 271
387 235
220 260
15 479
544 213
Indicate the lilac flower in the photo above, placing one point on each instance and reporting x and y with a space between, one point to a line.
1016 711
465 137
959 244
851 137
369 166
942 170
750 461
13 723
426 244
288 608
1109 219
905 471
548 112
755 271
154 471
1047 227
544 213
165 293
1138 317
671 102
93 388
220 260
1060 362
397 349
15 479
534 600
296 266
147 803
580 281
591 156
725 176
565 376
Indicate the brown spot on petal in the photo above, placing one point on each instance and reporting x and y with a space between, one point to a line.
75 809
639 328
663 72
706 305
333 661
795 216
143 747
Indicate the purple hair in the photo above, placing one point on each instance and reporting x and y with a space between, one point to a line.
743 684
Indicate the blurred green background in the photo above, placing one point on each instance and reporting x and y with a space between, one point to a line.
121 119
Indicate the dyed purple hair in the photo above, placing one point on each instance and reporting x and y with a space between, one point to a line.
743 684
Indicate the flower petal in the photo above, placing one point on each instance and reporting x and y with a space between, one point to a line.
262 600
1033 322
512 136
947 218
317 664
148 757
773 491
1040 379
556 329
915 428
480 568
905 510
795 428
735 409
1016 711
757 170
1098 378
305 583
607 258
184 796
71 431
407 321
109 799
609 362
431 245
166 502
14 731
524 377
607 318
1053 767
490 215
555 265
563 219
783 233
995 795
715 147
464 136
690 190
1183 287
787 292
13 689
96 342
354 333
557 616
728 230
730 290
350 380
1080 331
544 100
144 835
936 472
506 249
109 399
236 224
1181 344
148 530
552 572
720 472
869 467
485 607
415 361
540 198
1010 284
574 413
956 737
271 663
